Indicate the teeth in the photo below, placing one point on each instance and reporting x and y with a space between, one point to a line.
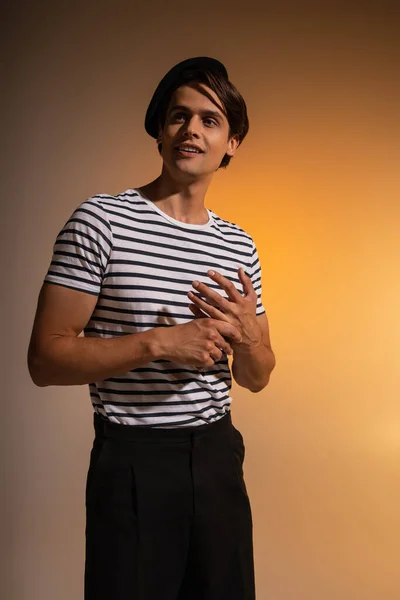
186 149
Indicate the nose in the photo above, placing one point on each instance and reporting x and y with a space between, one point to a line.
192 127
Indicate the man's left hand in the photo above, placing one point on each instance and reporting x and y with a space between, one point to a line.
238 309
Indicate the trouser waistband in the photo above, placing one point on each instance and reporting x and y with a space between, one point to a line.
105 428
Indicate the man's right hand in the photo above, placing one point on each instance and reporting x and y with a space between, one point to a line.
199 343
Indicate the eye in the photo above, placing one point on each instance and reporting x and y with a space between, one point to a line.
209 122
178 117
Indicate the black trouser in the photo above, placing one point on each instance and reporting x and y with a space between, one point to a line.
168 516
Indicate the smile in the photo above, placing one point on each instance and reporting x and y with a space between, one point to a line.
187 150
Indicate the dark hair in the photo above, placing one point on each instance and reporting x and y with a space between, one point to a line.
233 104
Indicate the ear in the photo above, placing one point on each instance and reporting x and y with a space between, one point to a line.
233 143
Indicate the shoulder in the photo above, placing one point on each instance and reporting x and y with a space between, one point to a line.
230 228
101 206
109 200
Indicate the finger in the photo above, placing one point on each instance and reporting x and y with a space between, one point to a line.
212 296
212 311
247 284
233 294
229 331
197 312
216 354
224 345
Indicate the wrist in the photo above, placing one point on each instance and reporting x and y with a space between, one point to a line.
156 343
246 348
250 343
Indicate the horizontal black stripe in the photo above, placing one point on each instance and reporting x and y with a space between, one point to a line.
159 313
73 255
132 299
153 392
152 276
164 403
170 268
68 242
137 324
181 239
153 290
132 322
224 368
124 380
139 415
181 248
132 312
59 263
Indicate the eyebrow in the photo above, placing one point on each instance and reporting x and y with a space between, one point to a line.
207 112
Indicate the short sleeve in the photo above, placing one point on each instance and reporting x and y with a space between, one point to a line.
82 250
255 275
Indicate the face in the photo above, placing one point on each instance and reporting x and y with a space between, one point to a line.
195 136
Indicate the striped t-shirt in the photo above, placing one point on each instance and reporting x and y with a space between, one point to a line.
140 263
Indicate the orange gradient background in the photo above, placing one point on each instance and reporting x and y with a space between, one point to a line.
316 183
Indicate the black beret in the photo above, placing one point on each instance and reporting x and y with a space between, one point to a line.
172 77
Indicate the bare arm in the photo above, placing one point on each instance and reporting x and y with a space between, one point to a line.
252 365
57 356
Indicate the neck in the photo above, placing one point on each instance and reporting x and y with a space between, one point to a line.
181 201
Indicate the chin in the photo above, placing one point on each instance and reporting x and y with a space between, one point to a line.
185 171
188 170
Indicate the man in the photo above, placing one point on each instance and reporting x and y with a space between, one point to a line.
168 516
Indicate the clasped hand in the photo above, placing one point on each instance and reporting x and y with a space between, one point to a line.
238 310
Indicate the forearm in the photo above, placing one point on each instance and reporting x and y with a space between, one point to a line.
69 360
252 366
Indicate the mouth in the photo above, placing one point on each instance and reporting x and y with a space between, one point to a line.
188 150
